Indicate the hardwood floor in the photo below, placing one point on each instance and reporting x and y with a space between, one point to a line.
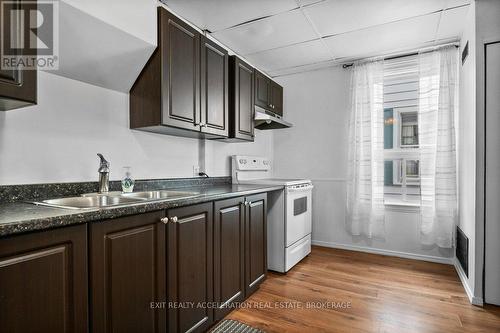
363 292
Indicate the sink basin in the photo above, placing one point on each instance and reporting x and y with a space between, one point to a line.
99 201
159 195
94 200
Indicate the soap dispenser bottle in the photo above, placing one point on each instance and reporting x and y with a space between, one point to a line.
127 181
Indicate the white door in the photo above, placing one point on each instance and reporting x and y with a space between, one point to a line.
492 184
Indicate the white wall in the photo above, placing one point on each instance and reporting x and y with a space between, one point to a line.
316 103
467 142
127 15
57 140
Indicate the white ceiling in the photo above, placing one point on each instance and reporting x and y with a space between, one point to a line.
285 36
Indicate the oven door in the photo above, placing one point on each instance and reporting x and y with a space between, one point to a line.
298 213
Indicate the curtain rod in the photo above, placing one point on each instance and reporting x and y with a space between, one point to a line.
406 53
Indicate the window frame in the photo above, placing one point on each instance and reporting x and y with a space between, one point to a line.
403 72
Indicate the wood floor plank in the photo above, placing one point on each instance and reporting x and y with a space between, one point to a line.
385 294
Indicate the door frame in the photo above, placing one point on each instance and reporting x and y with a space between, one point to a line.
482 209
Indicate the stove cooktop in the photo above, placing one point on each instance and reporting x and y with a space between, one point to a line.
275 181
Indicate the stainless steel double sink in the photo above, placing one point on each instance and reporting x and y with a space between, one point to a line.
113 199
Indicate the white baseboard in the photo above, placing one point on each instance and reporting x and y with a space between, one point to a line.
463 278
441 260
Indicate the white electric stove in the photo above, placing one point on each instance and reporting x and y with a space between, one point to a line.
289 211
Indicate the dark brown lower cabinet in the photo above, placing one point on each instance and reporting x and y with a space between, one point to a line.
190 268
127 260
151 272
229 255
43 281
255 241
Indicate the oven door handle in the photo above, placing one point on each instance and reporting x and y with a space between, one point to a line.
301 189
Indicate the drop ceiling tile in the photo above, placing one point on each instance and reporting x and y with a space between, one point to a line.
280 30
215 15
452 22
338 16
385 38
290 56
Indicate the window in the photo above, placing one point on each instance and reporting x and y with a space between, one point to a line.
409 129
401 142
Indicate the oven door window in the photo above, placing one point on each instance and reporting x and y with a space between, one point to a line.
299 206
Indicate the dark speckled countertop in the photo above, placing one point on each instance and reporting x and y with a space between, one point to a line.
19 217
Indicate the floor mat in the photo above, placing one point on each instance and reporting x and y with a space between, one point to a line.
233 326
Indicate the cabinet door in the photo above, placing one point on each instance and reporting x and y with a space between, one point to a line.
214 88
277 98
17 87
229 259
242 100
190 268
180 51
262 90
256 242
127 257
43 281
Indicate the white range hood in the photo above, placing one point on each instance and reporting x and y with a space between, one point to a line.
265 120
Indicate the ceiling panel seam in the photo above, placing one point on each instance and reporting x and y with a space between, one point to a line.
315 29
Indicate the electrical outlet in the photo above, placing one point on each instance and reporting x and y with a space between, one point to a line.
196 170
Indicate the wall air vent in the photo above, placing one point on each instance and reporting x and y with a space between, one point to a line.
465 52
462 250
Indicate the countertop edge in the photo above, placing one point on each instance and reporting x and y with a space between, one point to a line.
84 216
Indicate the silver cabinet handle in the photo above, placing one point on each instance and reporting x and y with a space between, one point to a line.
164 220
173 219
249 203
245 203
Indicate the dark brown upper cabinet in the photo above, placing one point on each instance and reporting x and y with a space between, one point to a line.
18 87
276 98
183 89
190 267
262 90
268 94
241 100
128 272
214 88
43 281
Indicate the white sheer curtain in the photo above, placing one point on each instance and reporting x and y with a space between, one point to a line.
438 94
365 183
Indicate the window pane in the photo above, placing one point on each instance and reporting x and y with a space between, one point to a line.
401 187
409 129
388 128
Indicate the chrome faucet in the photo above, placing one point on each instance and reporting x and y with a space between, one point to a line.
103 175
